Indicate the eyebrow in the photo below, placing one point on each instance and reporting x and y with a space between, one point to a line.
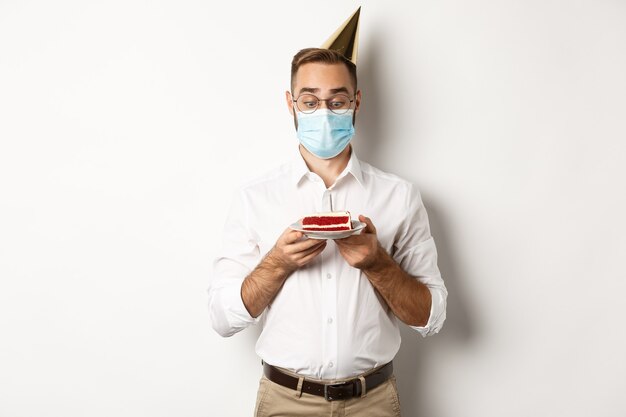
317 90
339 90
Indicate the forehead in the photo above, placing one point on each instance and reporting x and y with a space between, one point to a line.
322 76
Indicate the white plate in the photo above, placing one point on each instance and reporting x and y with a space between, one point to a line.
357 226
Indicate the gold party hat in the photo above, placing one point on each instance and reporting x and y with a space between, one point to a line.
345 40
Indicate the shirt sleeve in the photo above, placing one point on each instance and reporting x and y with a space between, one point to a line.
416 253
238 256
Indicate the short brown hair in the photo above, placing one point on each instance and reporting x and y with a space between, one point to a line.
325 56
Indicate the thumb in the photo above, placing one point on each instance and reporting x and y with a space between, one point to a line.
369 228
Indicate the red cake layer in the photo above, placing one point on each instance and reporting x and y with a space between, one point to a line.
327 229
332 221
325 220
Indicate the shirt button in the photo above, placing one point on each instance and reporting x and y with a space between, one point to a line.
329 276
330 364
330 320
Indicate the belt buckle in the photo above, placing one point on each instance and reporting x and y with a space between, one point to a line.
329 396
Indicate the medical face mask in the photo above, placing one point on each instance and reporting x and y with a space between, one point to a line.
324 133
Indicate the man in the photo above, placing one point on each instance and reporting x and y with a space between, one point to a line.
329 308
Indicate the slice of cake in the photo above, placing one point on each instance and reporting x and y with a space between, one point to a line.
328 222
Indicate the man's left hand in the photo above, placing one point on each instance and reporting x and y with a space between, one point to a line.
363 250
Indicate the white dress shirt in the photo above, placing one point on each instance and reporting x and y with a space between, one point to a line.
327 321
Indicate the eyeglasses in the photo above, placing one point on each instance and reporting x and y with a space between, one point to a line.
338 104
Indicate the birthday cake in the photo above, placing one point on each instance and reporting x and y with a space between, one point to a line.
328 222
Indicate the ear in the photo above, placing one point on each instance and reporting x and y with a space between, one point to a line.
289 100
357 104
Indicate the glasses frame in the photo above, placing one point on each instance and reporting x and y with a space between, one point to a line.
319 100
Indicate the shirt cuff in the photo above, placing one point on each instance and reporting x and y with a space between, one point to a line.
230 314
437 314
234 303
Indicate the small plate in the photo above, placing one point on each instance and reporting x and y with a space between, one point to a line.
357 226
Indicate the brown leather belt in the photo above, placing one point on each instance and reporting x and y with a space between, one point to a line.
331 392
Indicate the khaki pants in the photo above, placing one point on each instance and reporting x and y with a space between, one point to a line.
274 400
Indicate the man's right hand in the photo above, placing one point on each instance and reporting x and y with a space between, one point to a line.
289 253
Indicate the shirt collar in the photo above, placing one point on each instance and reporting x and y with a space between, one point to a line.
299 169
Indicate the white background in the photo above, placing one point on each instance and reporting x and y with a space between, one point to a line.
125 126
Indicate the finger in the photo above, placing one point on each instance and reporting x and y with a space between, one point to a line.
303 245
369 228
344 241
308 258
306 252
350 240
302 258
291 236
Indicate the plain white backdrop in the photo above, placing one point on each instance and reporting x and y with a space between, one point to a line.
126 125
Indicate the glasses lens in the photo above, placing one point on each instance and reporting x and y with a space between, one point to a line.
307 103
339 104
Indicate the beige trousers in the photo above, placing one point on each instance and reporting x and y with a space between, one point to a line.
274 400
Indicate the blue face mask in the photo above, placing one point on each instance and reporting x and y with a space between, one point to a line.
324 133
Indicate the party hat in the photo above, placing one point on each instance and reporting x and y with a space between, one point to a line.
345 40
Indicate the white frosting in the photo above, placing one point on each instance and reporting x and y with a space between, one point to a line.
332 214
